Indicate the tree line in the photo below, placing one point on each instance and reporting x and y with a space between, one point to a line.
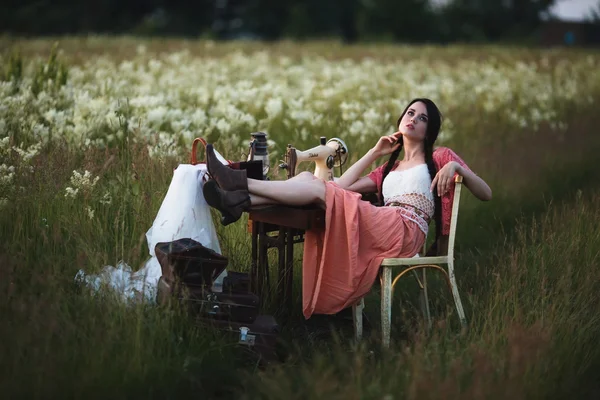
351 20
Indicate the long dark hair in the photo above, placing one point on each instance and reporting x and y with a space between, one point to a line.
434 123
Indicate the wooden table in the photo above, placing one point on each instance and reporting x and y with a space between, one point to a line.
279 227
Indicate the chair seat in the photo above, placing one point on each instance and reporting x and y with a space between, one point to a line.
397 262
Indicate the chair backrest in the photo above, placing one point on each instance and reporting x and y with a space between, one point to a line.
441 241
454 217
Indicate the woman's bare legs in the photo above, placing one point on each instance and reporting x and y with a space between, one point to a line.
303 190
303 176
258 200
294 192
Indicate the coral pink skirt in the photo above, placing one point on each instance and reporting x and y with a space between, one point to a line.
341 261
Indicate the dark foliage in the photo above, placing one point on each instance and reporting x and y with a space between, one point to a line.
351 20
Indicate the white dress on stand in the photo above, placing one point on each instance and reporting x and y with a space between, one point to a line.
183 214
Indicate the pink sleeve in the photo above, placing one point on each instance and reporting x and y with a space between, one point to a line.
377 176
441 157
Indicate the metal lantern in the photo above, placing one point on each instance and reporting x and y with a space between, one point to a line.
258 150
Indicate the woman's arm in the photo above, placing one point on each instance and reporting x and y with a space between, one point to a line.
363 185
443 179
349 180
475 184
350 177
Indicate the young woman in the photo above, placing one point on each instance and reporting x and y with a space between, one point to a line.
341 262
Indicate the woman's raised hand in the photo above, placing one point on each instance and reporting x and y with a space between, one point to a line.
387 144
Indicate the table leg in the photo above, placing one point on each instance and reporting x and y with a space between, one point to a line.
254 281
289 268
281 240
266 246
263 266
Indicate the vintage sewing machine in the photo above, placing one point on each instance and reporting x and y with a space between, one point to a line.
327 155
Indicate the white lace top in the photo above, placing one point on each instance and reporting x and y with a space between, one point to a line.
409 189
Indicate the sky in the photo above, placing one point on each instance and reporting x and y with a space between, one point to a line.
568 10
573 10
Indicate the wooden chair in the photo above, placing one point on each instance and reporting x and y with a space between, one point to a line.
413 265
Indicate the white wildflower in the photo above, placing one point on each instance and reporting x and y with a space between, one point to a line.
71 192
7 174
301 116
29 153
90 212
106 199
198 117
4 143
247 119
357 128
40 132
112 120
350 111
81 182
371 117
157 115
223 126
274 107
166 147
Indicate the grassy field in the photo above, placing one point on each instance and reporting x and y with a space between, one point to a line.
92 128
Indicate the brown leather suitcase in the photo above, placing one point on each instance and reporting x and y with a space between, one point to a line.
201 301
233 306
189 261
189 270
236 282
260 337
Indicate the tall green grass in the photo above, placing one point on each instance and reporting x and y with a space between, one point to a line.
527 268
532 330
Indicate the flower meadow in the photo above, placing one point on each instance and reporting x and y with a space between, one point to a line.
167 99
92 128
164 100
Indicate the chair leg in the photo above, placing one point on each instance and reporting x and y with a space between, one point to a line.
425 300
357 319
459 307
386 305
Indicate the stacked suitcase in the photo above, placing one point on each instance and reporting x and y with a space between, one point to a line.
188 273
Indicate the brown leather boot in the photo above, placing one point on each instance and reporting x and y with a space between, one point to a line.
231 204
228 179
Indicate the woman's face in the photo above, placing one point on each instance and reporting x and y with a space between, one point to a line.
413 125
